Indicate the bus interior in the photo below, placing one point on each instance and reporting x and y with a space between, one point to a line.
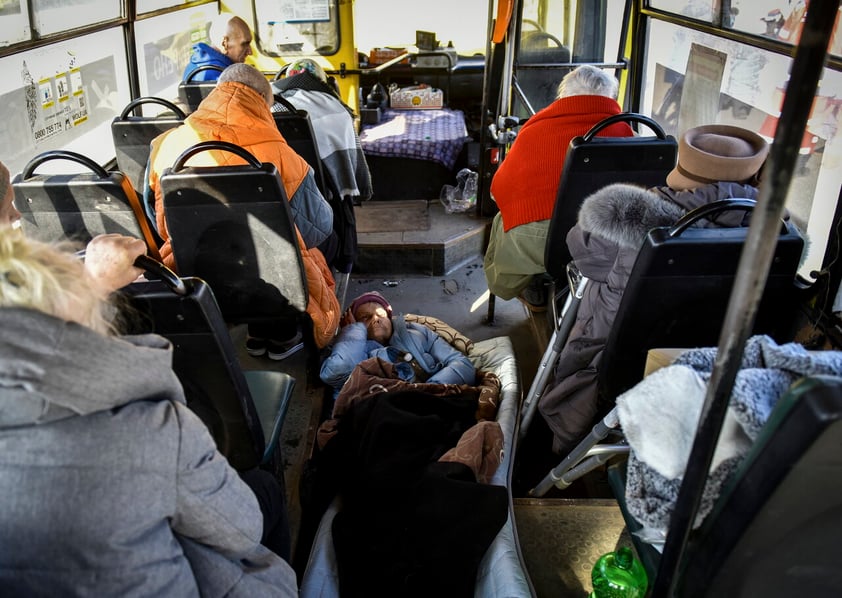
439 91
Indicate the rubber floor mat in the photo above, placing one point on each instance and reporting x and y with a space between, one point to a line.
562 539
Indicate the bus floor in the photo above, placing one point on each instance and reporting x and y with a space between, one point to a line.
562 534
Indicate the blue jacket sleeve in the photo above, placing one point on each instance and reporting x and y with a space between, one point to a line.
456 368
349 350
312 214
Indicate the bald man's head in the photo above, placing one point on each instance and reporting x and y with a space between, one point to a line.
231 35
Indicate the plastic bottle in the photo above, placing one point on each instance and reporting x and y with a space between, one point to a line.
618 575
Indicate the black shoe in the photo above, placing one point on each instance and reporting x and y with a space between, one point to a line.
282 349
256 346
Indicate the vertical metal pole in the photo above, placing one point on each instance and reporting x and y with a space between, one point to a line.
750 280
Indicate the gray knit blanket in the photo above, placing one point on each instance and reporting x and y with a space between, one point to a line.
659 417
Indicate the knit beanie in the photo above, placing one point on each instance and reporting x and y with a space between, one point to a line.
370 297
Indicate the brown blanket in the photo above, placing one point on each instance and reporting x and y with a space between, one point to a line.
374 375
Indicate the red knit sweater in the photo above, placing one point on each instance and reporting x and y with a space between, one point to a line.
525 184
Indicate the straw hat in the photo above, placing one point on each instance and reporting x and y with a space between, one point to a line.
717 153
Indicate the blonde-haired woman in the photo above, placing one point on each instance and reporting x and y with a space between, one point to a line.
111 486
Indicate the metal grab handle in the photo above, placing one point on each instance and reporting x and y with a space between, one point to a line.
152 100
214 145
625 117
29 169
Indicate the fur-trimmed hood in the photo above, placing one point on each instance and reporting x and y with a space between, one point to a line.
623 214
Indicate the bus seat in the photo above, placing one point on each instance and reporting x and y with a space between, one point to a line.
676 296
297 130
191 92
79 206
679 289
591 163
232 227
133 133
244 410
776 524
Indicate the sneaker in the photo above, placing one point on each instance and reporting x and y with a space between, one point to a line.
282 349
256 346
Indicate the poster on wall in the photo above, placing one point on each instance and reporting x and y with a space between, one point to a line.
61 97
54 104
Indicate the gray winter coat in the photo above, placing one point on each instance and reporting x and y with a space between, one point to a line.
604 243
111 486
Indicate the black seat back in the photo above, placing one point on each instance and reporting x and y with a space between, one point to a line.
204 358
232 226
132 134
776 525
79 206
592 163
193 92
678 292
297 130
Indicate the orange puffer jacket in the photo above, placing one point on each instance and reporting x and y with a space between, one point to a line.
236 113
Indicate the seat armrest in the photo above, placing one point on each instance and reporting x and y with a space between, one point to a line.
271 393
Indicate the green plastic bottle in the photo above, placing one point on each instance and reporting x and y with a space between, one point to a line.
618 575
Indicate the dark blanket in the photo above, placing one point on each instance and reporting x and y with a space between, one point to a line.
409 525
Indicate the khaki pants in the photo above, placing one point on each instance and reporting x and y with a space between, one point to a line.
513 257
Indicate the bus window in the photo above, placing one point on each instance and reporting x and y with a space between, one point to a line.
693 78
296 28
55 17
163 46
377 24
144 6
555 36
14 23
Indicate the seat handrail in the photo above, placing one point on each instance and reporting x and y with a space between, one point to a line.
287 105
625 117
104 175
202 146
29 169
206 67
176 284
713 208
179 113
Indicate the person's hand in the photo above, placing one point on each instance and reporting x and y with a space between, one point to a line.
347 318
109 261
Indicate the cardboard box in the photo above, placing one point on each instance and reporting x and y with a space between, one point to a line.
419 97
660 358
381 55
